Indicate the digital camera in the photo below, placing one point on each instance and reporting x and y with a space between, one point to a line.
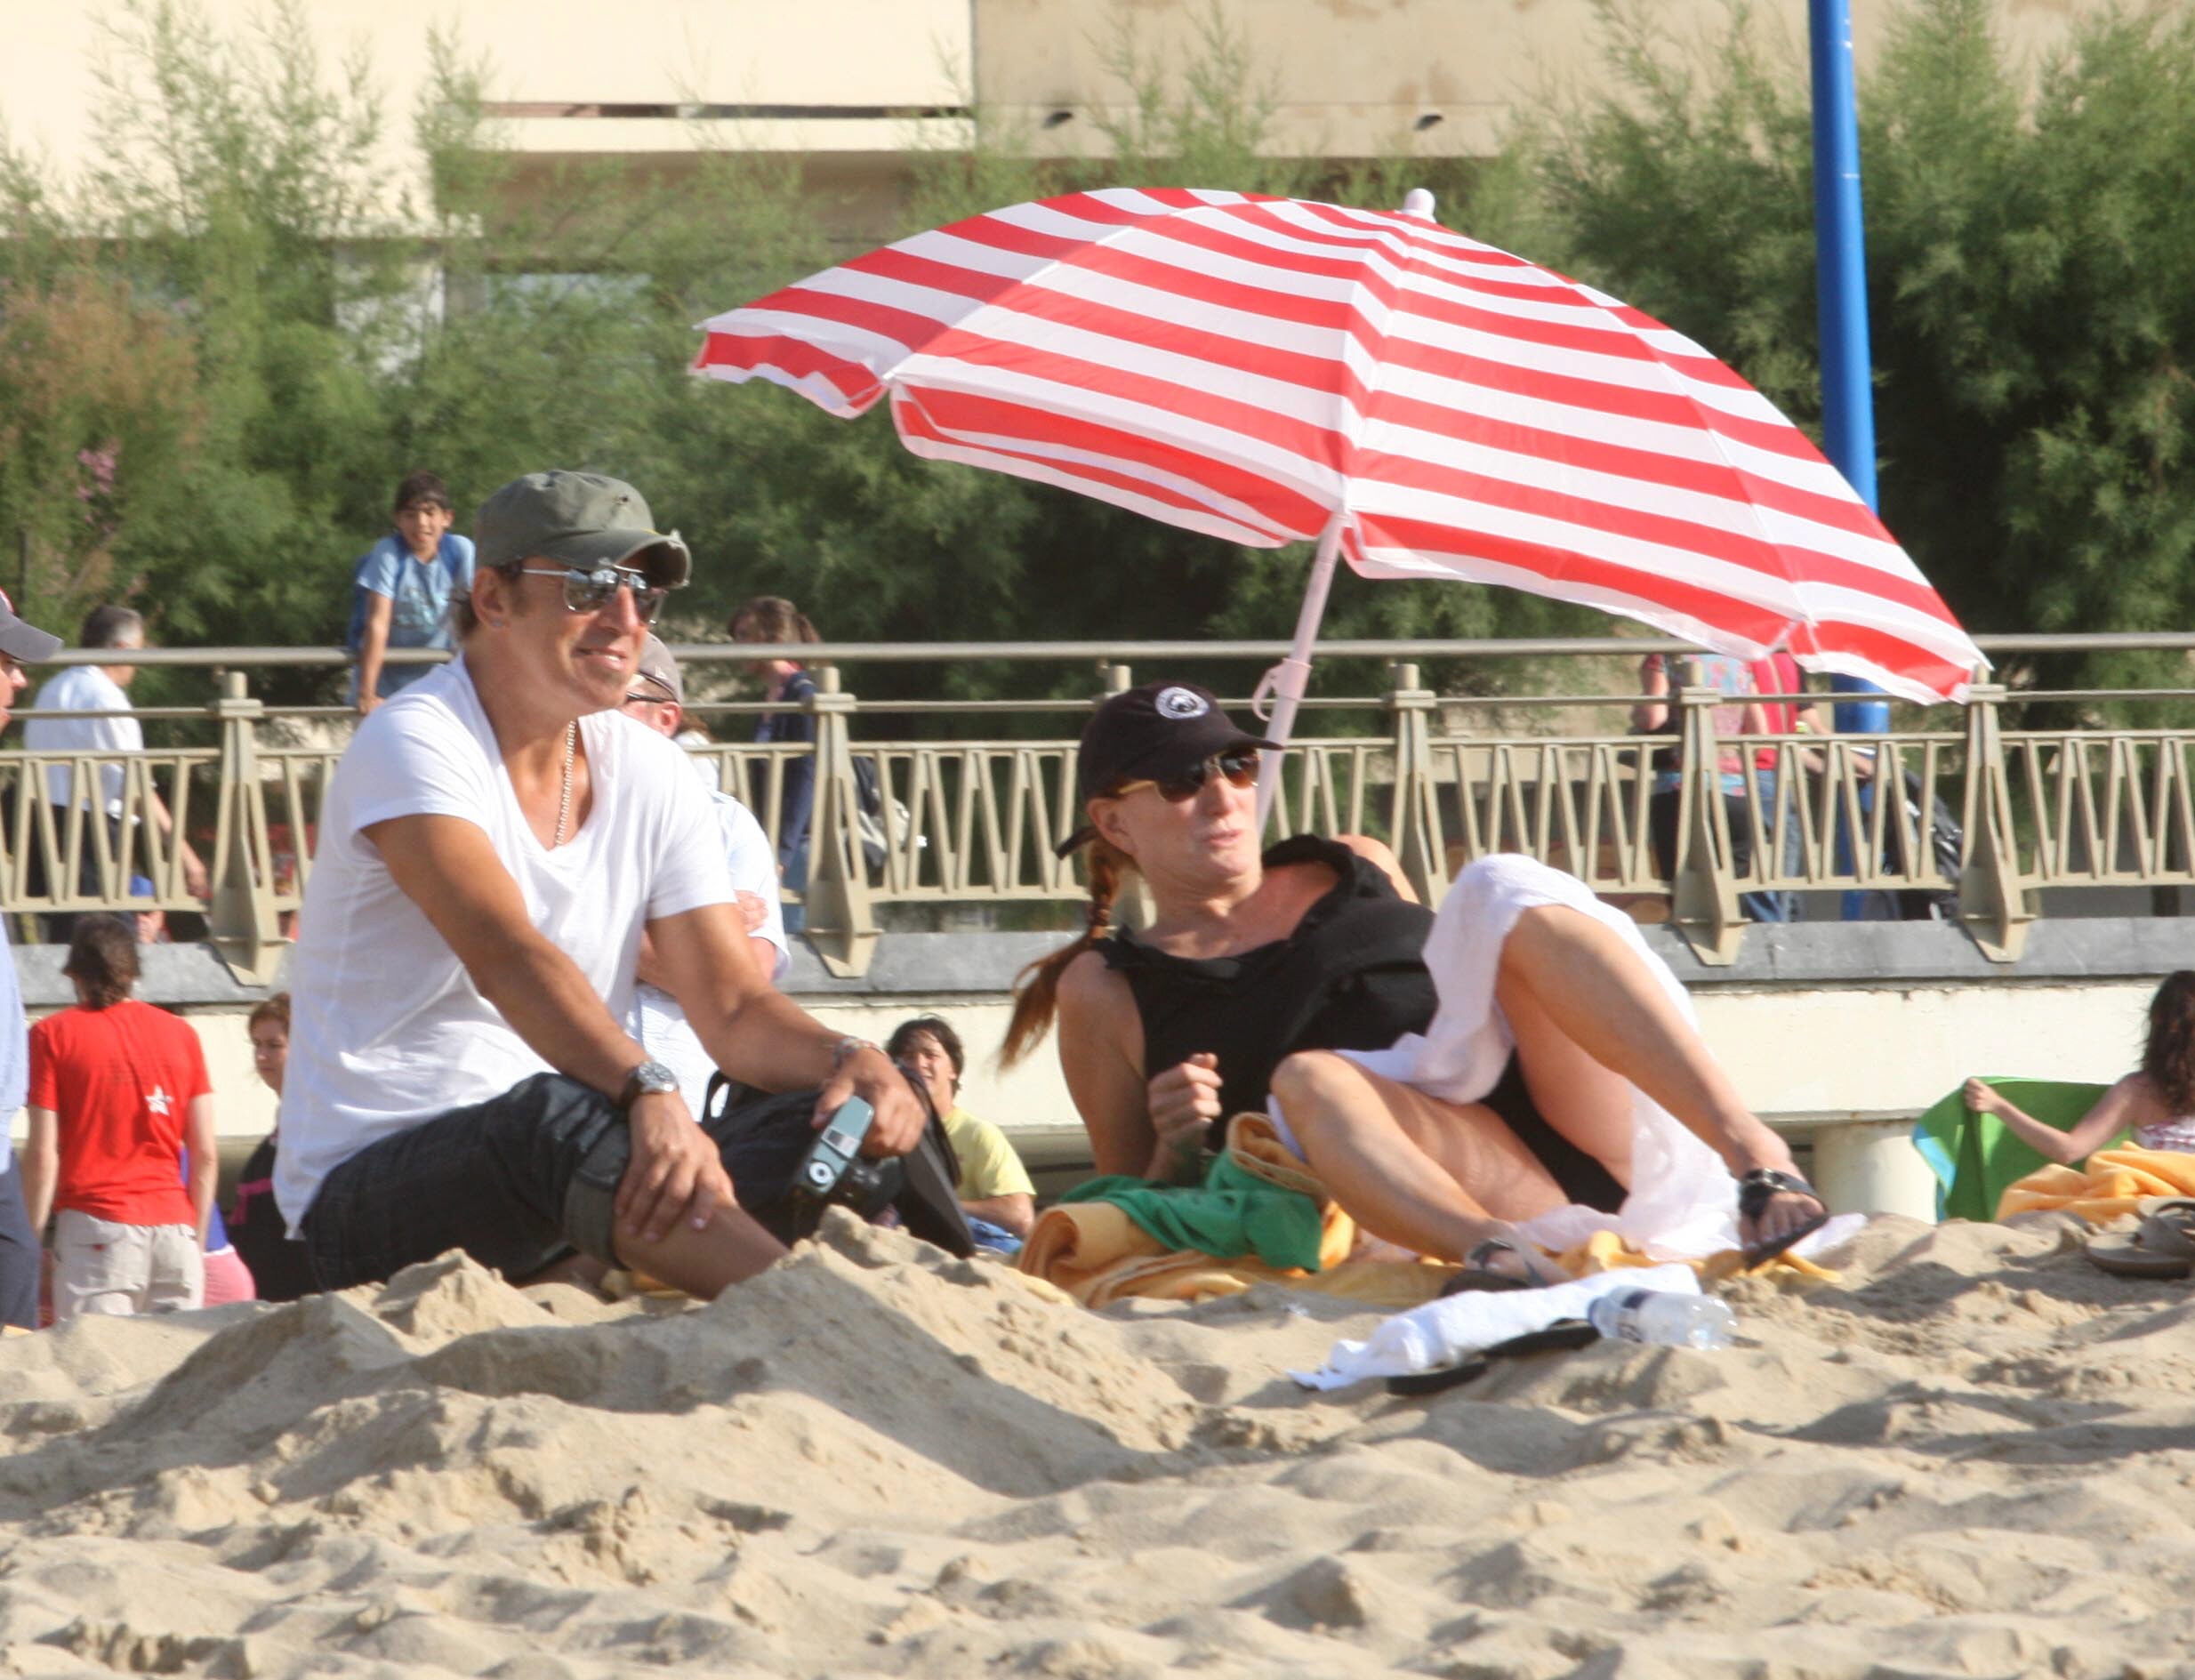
833 1169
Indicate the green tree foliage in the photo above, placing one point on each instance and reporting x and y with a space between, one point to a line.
2030 230
326 348
301 331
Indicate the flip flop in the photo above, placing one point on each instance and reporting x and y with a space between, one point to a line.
1762 1186
1560 1336
2162 1246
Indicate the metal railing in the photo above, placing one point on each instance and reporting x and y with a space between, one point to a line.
1975 817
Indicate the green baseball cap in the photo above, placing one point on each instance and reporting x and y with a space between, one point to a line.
580 518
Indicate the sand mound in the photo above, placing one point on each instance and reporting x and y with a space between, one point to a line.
1969 1457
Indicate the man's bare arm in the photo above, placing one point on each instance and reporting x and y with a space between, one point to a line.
373 645
447 867
41 1167
1015 1212
206 1163
761 1037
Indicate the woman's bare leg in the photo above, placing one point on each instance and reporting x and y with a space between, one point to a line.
1400 1161
1588 982
1586 1102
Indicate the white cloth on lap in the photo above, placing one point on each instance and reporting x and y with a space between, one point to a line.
1683 1200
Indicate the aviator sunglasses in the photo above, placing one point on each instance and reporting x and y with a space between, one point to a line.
590 589
1240 767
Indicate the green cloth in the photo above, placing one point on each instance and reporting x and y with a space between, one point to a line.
1231 1214
1975 1157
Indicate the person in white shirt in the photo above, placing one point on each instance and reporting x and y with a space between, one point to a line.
492 849
95 689
656 699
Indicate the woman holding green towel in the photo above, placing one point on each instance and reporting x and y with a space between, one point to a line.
2156 1102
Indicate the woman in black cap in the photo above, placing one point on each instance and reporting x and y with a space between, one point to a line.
1256 965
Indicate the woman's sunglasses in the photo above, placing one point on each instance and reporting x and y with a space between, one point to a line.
591 589
1240 767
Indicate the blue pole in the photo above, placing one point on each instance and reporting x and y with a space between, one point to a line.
1840 268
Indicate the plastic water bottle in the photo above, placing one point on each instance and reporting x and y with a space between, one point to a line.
1666 1320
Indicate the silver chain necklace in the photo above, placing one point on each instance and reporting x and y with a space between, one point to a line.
564 798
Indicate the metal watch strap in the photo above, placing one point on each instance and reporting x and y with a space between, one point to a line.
650 1075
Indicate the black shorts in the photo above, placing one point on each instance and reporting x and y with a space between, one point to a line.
517 1181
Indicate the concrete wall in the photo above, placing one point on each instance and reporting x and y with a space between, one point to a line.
1346 78
1362 79
901 55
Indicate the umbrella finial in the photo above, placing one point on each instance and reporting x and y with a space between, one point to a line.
1418 202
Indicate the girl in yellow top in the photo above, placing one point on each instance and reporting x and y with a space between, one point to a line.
994 1187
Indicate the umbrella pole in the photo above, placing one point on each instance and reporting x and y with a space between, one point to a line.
1287 679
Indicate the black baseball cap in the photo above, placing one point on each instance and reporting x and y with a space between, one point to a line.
1155 730
581 518
24 640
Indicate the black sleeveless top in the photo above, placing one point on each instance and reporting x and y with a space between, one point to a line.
1351 976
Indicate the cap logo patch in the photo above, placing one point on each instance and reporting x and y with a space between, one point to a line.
1181 704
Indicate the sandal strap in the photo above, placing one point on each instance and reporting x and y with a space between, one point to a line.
1756 1187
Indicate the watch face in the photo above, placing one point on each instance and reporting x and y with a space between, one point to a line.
654 1076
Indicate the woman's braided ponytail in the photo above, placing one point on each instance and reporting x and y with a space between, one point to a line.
1036 988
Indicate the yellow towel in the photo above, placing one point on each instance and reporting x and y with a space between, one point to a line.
1605 1251
1099 1255
2114 1180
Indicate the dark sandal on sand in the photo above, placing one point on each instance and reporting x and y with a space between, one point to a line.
1755 1190
1560 1336
1478 1273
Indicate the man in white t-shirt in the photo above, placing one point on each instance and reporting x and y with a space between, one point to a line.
493 847
99 690
656 699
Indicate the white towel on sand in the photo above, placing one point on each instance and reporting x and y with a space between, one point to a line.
1441 1332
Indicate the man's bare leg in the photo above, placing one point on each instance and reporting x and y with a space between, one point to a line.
730 1249
1585 980
1437 1177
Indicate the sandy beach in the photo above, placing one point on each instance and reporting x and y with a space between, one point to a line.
1972 1455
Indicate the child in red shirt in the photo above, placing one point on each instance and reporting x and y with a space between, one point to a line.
117 1089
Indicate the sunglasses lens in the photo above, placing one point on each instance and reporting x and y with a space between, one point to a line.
1240 768
592 591
1176 789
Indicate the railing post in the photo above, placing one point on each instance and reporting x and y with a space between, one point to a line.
840 920
1415 818
1703 896
241 920
1995 905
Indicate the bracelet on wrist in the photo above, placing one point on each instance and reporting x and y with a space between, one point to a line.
846 1048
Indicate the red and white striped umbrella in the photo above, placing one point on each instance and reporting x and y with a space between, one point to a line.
1268 371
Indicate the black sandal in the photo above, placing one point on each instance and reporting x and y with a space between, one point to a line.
1478 1273
1755 1190
1560 1336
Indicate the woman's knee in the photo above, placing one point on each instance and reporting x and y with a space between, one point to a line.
1311 1085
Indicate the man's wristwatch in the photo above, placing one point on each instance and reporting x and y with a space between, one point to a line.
650 1077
